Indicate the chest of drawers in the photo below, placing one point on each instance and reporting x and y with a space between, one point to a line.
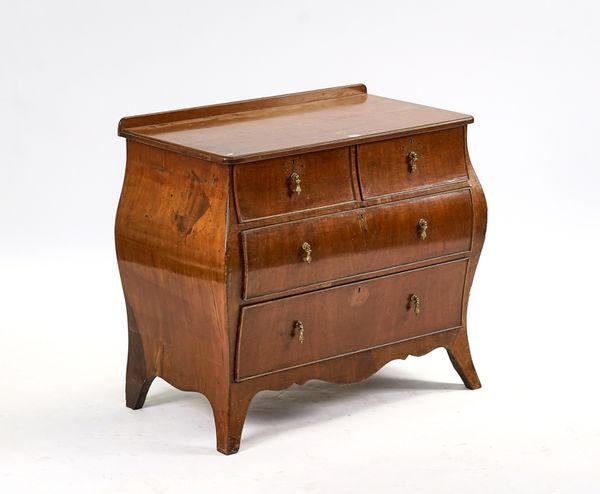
316 235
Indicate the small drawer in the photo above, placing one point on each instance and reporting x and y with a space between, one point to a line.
320 325
295 183
413 162
302 253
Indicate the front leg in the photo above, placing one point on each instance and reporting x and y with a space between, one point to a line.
230 414
460 356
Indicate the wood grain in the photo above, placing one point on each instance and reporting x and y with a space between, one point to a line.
264 190
186 114
384 166
267 129
170 241
210 258
348 319
363 240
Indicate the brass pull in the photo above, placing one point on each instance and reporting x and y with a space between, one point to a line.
422 228
415 302
306 252
412 161
295 183
299 330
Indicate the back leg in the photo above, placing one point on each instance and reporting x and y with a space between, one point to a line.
137 380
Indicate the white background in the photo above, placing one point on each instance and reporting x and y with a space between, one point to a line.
527 71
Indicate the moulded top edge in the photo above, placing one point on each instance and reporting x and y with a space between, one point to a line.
302 122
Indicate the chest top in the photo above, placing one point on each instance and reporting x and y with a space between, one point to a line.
279 126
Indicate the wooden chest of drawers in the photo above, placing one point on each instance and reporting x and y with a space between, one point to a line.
314 235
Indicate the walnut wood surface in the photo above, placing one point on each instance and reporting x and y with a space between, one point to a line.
259 131
359 241
368 314
264 190
190 231
384 166
170 240
239 106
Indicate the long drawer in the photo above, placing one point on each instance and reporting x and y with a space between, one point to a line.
303 329
302 253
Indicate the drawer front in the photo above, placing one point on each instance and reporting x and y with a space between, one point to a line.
303 329
355 242
296 183
386 167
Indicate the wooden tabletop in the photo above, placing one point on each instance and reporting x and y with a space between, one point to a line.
282 125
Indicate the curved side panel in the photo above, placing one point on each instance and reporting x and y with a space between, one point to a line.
170 241
479 227
459 352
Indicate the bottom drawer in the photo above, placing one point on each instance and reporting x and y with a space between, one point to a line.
303 329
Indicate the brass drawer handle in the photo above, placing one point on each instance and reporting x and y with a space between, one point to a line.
422 228
294 181
415 302
306 252
299 330
412 161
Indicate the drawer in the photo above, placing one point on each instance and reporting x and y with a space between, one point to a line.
291 184
355 242
303 329
385 166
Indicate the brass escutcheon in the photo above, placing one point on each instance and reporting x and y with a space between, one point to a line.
415 302
294 181
306 252
299 330
422 228
412 161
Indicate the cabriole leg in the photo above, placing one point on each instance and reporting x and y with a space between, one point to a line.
230 415
137 379
460 356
